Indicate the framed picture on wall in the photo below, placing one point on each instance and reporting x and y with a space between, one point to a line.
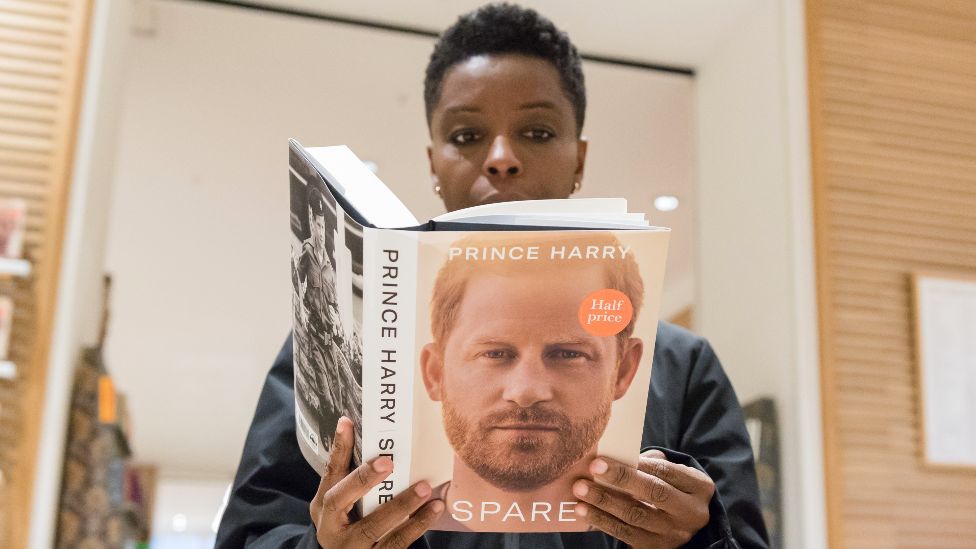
945 345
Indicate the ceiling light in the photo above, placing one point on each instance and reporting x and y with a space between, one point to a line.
666 203
179 522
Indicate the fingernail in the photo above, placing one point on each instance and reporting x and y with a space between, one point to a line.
437 506
581 510
599 467
383 465
422 489
340 426
580 489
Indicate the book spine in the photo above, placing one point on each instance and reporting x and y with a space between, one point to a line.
389 355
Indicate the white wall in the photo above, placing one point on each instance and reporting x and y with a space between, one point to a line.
78 312
756 249
199 238
743 207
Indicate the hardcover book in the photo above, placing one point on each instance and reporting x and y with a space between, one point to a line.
492 351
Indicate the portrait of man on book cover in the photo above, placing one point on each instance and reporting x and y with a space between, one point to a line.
536 361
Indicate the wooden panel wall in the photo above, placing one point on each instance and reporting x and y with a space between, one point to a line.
893 120
42 47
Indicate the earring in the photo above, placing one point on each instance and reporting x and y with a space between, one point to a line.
437 190
577 186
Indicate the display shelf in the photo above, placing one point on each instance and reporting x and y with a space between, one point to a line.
124 449
14 267
8 370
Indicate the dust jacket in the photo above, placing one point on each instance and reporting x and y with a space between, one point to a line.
492 351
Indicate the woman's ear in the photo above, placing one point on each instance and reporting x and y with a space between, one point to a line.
582 145
633 350
432 369
434 180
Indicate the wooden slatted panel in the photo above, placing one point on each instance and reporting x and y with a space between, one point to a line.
41 54
893 119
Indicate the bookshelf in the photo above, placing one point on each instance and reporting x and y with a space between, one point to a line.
98 464
45 47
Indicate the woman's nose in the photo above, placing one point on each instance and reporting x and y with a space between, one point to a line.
502 160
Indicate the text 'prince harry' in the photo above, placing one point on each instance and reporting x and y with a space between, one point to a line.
556 251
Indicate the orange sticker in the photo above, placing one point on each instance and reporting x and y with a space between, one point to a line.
106 400
605 312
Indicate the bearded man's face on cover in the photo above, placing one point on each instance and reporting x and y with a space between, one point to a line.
525 391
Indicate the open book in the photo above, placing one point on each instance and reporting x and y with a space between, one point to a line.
492 351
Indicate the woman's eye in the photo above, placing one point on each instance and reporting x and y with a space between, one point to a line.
539 134
464 137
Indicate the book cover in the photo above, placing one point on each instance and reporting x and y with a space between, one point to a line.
493 353
6 324
327 275
13 218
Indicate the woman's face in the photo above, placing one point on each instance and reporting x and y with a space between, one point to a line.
503 129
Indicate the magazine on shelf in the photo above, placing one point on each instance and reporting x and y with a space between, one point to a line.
13 218
491 351
6 324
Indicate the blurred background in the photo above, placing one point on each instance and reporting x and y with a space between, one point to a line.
815 159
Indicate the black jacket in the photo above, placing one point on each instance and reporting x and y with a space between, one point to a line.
692 414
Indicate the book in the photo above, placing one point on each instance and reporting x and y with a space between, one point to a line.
492 351
6 324
13 219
